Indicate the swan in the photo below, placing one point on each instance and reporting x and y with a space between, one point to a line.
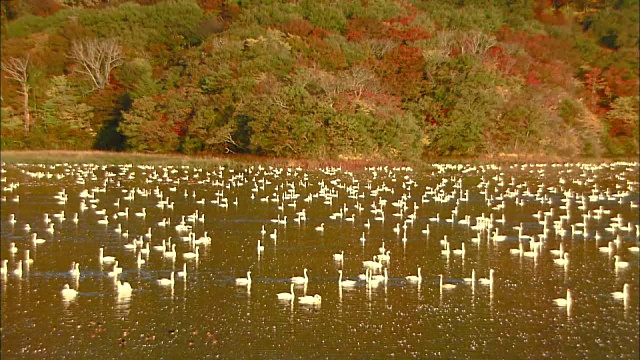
27 257
139 260
562 261
289 296
123 288
381 248
18 271
68 293
244 281
620 264
193 255
145 250
300 279
171 253
376 279
415 278
13 248
105 259
75 269
472 279
385 257
459 251
622 295
444 286
4 269
36 240
311 300
339 257
565 302
263 230
634 249
160 247
485 281
320 227
183 273
372 264
260 247
345 283
167 282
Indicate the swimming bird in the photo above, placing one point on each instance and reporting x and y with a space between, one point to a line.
105 259
300 279
68 293
167 282
415 278
244 281
444 286
183 273
564 302
485 281
622 295
620 264
345 283
310 300
339 257
286 295
193 255
123 288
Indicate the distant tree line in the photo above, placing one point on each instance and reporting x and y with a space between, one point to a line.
354 79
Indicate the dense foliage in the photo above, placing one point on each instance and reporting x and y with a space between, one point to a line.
324 79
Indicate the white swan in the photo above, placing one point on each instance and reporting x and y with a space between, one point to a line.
339 257
310 300
192 255
562 261
415 278
620 264
472 279
105 259
320 227
381 249
13 249
244 281
485 281
345 283
18 271
68 293
75 269
300 279
183 273
444 286
123 288
564 302
286 295
622 295
167 282
260 247
5 269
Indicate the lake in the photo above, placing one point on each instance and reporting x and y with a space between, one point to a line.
489 242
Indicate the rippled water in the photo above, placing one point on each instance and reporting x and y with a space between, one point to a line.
208 315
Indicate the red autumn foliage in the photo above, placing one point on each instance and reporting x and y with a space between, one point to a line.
402 69
299 27
359 28
211 5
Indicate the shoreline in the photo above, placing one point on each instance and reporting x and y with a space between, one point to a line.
110 157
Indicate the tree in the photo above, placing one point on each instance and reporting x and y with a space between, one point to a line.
16 69
97 58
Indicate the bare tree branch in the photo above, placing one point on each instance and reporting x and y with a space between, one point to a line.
97 58
16 69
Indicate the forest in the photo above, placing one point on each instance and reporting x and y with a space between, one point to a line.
321 79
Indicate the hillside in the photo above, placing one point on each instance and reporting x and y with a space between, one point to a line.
377 79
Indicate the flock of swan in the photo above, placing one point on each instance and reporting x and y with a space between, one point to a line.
384 196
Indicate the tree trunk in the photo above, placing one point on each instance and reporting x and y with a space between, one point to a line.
27 118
